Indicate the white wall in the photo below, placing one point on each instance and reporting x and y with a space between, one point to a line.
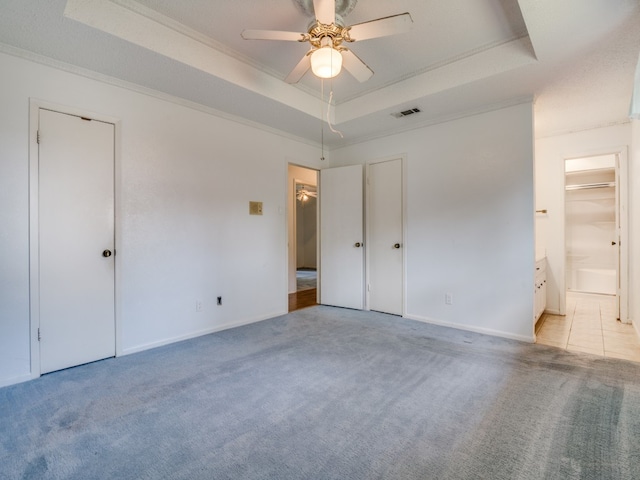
469 219
185 179
550 154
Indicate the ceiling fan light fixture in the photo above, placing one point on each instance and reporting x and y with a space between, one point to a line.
326 62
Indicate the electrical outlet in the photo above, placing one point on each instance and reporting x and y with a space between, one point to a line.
448 299
219 300
198 305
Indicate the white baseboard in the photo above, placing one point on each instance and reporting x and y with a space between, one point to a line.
199 333
485 331
5 382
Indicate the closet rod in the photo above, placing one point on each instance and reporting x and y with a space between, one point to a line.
590 185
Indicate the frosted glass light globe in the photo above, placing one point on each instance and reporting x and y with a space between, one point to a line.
326 62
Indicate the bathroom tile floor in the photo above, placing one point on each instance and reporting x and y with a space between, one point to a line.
590 326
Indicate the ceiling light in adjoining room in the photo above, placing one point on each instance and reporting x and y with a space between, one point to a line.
326 62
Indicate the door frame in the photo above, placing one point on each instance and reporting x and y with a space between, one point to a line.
34 233
367 267
290 211
622 188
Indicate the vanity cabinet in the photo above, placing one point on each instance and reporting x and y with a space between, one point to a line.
540 296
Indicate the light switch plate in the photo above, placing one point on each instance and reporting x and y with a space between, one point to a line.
255 208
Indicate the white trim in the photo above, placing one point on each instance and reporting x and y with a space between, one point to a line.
176 26
199 333
290 206
367 268
469 328
568 131
116 82
5 382
419 125
623 206
519 39
338 144
119 214
621 153
34 233
170 41
35 105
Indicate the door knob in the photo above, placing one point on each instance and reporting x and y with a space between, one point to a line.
397 245
106 253
613 243
357 245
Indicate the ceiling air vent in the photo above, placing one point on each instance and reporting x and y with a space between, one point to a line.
405 113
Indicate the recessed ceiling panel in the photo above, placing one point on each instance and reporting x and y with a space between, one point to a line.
442 32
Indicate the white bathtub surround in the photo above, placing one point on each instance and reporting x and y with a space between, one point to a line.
595 280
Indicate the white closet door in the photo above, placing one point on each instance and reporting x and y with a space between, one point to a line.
385 237
341 240
76 240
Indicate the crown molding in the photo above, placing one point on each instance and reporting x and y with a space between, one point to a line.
434 121
133 87
569 131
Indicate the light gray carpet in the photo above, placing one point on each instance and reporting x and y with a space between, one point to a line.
327 393
306 279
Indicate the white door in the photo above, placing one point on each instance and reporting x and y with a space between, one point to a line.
615 243
341 237
385 237
76 240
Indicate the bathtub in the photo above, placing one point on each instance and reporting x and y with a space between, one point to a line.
596 280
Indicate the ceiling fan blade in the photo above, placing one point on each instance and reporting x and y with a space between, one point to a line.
381 27
299 70
271 35
355 66
325 11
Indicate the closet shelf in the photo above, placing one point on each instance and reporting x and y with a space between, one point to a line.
600 201
584 186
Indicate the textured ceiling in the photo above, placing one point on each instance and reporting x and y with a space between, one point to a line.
575 57
441 31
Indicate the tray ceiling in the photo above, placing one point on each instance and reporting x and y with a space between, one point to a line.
459 58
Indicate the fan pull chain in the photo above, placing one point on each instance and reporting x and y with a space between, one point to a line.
321 118
328 116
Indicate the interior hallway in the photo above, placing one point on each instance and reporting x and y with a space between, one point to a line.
306 294
590 326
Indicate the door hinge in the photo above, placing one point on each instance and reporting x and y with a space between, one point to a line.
38 137
368 287
39 337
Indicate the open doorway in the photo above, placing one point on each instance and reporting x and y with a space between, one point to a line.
596 261
593 267
592 227
303 237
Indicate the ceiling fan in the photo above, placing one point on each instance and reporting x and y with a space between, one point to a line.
326 36
303 192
